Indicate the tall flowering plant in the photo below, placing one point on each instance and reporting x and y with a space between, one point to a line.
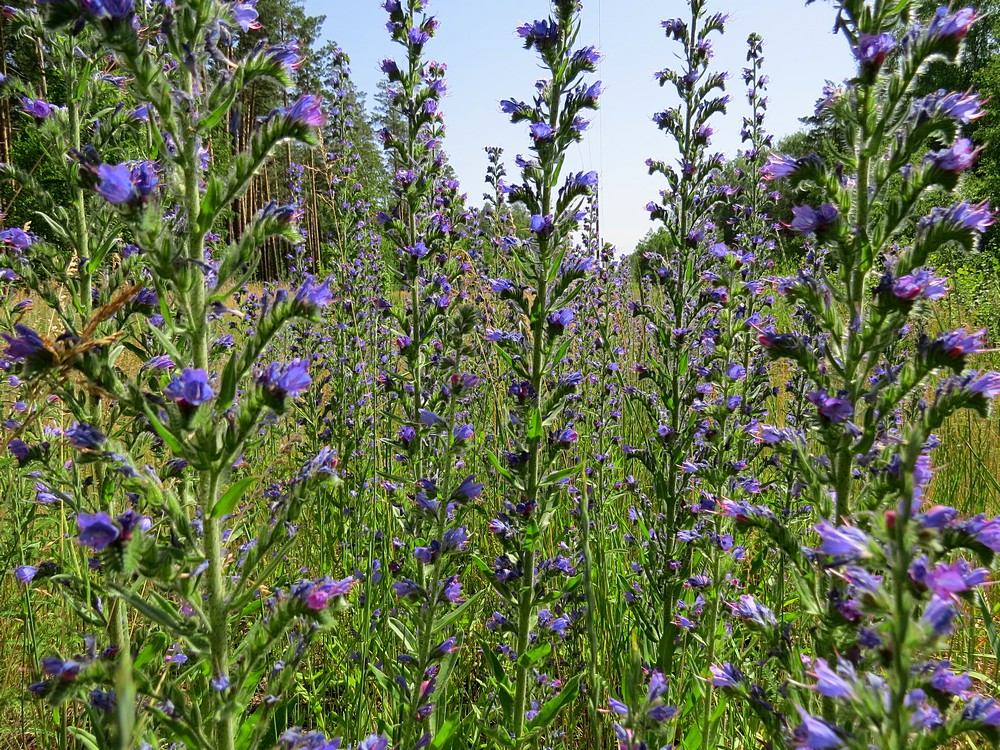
678 298
541 293
431 388
182 567
883 584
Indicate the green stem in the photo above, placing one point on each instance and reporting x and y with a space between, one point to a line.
124 684
588 581
218 609
79 204
525 607
198 331
526 596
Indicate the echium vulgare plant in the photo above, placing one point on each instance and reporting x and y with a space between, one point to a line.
431 388
732 398
675 292
542 293
159 517
497 216
882 588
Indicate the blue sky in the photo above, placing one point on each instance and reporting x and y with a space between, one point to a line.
486 63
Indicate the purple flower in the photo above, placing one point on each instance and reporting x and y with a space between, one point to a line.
592 93
955 159
618 707
947 580
27 346
322 591
750 609
190 389
832 408
312 296
511 106
769 434
144 180
946 681
541 132
452 591
430 419
405 588
120 184
559 625
986 385
502 286
468 489
921 284
25 573
938 615
541 225
959 343
567 436
285 55
17 238
417 36
115 184
37 108
589 55
586 180
85 437
307 110
809 220
455 539
982 710
873 48
108 9
559 319
816 734
842 541
245 14
951 25
418 250
973 216
65 670
778 167
961 107
97 530
289 380
372 742
160 362
937 517
830 683
726 676
540 34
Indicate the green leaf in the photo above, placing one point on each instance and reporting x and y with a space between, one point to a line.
407 637
558 476
157 644
444 734
561 353
233 495
534 655
167 436
456 613
495 460
84 737
159 611
500 682
535 429
551 709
